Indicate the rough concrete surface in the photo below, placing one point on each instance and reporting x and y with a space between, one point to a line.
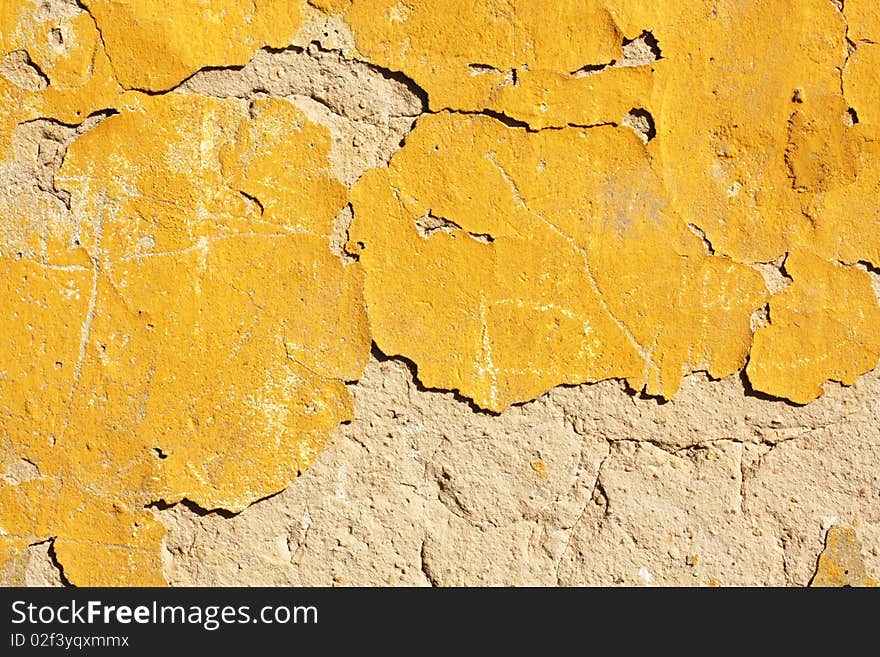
359 299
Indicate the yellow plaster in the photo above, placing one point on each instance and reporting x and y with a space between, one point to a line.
588 276
863 19
184 331
68 50
519 57
201 352
823 326
732 77
755 149
860 83
155 44
841 562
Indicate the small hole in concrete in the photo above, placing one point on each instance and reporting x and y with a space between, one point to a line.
852 117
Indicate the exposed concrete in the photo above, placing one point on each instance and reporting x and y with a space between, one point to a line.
715 487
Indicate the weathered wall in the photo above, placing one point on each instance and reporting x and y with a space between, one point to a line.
359 291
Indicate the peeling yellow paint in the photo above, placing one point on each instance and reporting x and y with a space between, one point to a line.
183 330
846 225
155 44
559 292
66 50
199 354
841 563
823 326
755 149
860 83
520 58
66 47
732 76
863 19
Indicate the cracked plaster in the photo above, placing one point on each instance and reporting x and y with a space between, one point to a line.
172 209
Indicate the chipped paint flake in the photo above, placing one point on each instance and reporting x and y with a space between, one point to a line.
822 327
841 562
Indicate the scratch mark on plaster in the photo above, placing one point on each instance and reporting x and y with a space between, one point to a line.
488 367
597 496
646 355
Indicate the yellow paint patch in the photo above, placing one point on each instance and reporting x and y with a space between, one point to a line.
66 47
863 19
538 275
847 221
155 44
522 59
841 563
64 50
201 352
823 326
755 149
860 83
732 78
